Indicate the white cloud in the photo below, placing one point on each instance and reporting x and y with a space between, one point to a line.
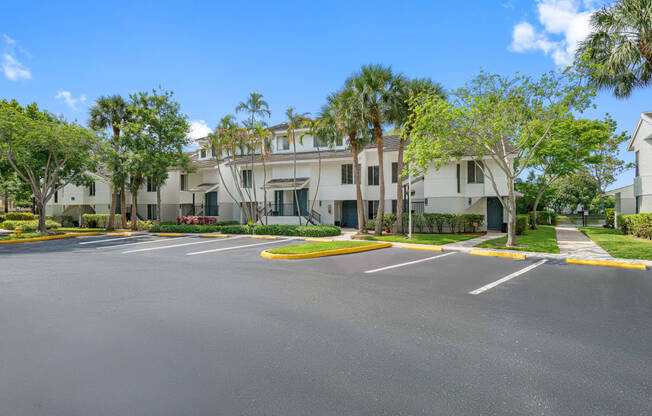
563 25
70 101
13 69
198 129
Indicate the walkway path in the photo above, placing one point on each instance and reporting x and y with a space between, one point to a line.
572 242
477 240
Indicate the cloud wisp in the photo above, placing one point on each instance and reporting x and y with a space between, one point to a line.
70 101
12 68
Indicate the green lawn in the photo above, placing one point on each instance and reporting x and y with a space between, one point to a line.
321 246
23 235
543 240
618 244
436 239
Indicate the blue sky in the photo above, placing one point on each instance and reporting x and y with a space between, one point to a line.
63 55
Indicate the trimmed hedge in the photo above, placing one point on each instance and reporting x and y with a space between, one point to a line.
638 225
95 220
544 218
522 223
436 221
19 216
610 213
289 230
27 226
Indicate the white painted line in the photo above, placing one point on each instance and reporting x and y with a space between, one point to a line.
408 263
178 245
508 277
233 248
109 239
157 240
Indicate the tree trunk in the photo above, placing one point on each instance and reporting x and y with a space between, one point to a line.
134 211
123 206
381 178
312 206
358 188
399 188
511 217
41 217
264 189
114 200
5 201
294 183
158 201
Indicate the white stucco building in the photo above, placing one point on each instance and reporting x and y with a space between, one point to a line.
458 187
641 144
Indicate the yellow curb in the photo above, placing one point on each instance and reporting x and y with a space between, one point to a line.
607 263
429 248
214 235
317 239
267 237
266 254
116 234
497 254
169 234
50 237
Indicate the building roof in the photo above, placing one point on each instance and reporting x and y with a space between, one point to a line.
203 187
287 183
645 117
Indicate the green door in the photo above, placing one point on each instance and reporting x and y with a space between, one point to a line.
210 204
494 214
278 202
117 204
302 196
349 214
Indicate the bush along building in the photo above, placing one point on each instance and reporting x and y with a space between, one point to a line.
322 191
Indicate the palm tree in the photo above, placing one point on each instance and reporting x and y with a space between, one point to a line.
378 89
261 136
318 129
295 121
110 112
255 106
619 49
408 90
342 117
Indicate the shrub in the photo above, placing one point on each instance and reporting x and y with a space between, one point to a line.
430 221
453 222
319 230
95 220
184 228
638 225
522 222
440 221
64 220
28 226
470 222
370 225
142 225
276 229
610 213
197 220
297 230
235 229
19 216
544 218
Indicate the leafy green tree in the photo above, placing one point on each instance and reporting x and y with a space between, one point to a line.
342 117
529 190
295 122
573 190
618 52
409 89
378 90
45 151
162 132
496 120
109 112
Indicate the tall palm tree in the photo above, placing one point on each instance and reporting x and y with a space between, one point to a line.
408 90
342 117
378 88
619 49
295 122
255 106
110 112
262 138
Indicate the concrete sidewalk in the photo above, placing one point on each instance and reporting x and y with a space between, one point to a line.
573 243
477 240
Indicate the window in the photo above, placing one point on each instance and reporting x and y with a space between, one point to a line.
151 184
184 182
475 174
394 172
637 199
151 211
91 189
56 197
203 153
373 209
458 178
283 143
636 164
372 175
394 205
212 152
246 178
347 174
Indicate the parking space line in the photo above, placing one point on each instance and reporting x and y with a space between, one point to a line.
233 248
393 266
508 277
140 242
109 239
178 245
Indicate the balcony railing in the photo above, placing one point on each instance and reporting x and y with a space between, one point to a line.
286 210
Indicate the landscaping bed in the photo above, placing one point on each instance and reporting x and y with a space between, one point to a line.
286 230
541 240
618 244
435 239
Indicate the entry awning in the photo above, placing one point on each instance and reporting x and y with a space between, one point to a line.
287 183
204 187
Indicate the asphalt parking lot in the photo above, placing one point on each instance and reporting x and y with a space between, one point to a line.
147 325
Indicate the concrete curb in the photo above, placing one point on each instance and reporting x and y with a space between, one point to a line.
214 235
607 263
50 237
318 239
170 234
497 254
266 237
422 247
266 254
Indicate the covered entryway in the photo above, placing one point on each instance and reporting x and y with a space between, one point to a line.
350 214
494 213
